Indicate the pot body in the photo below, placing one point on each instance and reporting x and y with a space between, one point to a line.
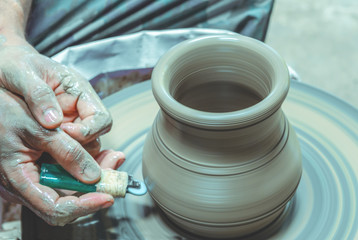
221 159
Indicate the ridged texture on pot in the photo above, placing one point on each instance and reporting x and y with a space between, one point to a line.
221 173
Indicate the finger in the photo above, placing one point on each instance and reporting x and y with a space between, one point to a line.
110 159
46 202
43 105
94 120
78 98
93 147
39 97
71 156
88 129
58 211
68 106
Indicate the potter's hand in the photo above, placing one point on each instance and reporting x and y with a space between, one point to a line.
22 142
55 94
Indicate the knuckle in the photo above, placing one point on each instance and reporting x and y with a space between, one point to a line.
52 221
106 120
60 214
86 131
36 137
71 83
67 81
57 219
41 92
73 152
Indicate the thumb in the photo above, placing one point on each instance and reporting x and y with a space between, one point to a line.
39 96
20 71
72 156
42 103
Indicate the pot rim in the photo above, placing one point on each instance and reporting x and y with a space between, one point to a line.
222 120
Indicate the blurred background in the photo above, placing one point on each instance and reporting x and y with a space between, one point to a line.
319 40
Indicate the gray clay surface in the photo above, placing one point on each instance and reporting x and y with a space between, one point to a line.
221 158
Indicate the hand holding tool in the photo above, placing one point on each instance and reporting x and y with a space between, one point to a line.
113 182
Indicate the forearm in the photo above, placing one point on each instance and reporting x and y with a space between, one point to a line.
13 18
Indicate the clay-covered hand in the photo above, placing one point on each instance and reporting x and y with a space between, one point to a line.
55 94
22 142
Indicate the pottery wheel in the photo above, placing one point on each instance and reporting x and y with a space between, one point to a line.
325 204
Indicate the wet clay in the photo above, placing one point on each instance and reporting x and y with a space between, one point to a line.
221 159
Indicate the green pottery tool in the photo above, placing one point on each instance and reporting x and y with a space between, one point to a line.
112 182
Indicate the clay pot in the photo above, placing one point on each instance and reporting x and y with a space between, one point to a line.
221 159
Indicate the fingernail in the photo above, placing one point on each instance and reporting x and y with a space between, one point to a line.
120 155
120 158
92 172
51 115
108 204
